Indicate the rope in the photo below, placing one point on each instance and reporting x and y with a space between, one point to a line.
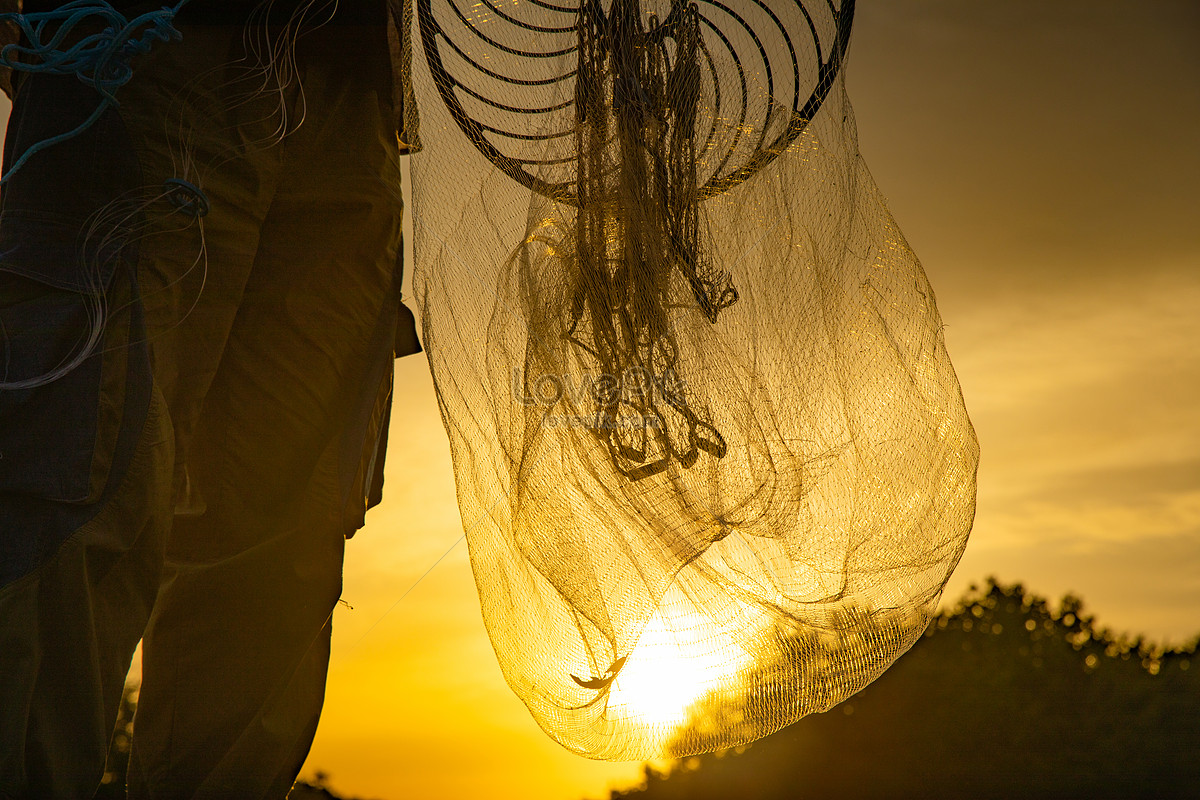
187 197
100 60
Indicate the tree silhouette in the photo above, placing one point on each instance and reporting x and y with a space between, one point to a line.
112 785
1003 697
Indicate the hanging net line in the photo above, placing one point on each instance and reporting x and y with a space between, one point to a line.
711 455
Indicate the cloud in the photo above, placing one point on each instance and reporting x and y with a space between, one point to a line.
1026 144
1102 378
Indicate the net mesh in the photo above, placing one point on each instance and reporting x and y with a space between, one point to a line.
711 456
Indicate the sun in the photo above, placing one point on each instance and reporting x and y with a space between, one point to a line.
679 659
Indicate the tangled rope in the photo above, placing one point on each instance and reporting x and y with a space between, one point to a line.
101 60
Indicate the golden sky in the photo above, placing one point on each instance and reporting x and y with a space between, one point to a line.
1042 160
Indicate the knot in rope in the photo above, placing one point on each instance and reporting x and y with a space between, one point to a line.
187 197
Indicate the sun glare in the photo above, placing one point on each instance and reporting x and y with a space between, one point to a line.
678 660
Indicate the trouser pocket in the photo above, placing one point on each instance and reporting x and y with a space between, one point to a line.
71 410
50 388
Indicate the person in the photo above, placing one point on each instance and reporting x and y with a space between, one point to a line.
199 308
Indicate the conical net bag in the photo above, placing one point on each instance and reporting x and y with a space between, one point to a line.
712 459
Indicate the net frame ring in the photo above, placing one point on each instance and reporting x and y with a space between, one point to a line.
803 110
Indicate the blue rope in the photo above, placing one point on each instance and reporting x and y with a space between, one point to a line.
187 197
99 59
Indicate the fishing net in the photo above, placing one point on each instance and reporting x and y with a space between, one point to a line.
711 456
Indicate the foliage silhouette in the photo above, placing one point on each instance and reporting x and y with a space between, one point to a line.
1003 697
112 785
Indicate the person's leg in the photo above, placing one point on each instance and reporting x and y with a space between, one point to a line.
235 657
85 451
90 570
199 110
69 630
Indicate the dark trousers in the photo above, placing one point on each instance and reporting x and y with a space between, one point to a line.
218 524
